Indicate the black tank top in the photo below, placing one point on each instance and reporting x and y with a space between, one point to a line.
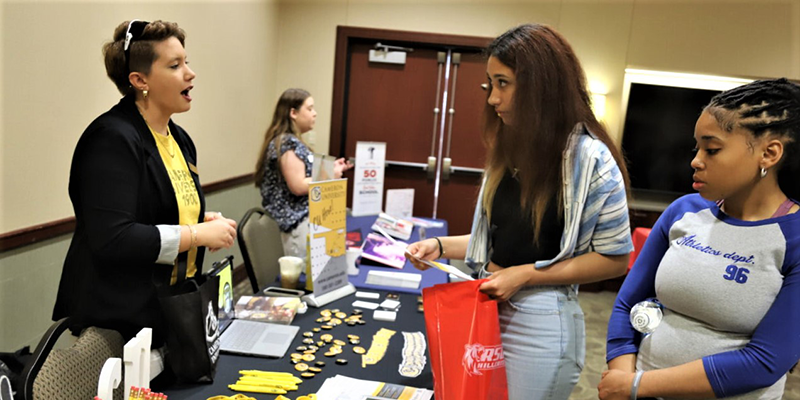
512 232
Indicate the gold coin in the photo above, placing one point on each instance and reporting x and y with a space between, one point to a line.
320 320
326 327
339 342
326 319
325 313
296 355
307 375
359 350
309 352
301 367
308 334
308 341
326 337
315 369
336 350
308 357
315 329
353 337
335 321
341 315
335 310
330 354
320 343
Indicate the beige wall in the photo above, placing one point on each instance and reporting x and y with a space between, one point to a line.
53 84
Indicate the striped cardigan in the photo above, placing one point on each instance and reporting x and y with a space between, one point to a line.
595 206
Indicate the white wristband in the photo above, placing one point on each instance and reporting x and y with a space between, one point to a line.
635 386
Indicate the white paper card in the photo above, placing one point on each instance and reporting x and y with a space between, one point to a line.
367 295
368 178
400 203
390 304
365 304
381 315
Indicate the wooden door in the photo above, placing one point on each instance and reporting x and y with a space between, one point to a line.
396 104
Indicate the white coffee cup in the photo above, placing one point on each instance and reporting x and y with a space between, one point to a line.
291 267
351 256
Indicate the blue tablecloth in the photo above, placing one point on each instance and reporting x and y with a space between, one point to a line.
430 276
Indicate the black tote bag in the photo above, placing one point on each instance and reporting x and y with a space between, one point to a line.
190 309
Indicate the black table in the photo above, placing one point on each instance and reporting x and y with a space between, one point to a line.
408 320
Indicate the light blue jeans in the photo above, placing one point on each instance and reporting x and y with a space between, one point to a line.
544 342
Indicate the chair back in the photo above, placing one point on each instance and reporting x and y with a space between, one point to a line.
73 372
260 242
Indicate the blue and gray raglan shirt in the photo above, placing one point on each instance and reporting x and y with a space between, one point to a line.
731 296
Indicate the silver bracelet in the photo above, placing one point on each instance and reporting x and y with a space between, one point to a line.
635 386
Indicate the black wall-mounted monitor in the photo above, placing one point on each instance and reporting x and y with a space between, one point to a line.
658 130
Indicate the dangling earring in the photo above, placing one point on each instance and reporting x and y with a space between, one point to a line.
144 93
763 172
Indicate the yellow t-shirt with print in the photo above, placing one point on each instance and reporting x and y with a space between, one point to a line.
185 191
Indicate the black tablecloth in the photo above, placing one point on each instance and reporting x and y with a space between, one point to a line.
408 320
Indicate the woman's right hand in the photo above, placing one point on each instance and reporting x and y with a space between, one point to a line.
340 166
216 234
427 249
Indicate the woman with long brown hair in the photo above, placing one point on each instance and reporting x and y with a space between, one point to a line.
283 170
552 212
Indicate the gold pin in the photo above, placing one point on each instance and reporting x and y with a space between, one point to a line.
301 367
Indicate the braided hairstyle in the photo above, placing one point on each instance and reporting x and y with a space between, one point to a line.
766 107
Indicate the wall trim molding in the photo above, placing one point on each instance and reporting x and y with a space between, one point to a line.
49 230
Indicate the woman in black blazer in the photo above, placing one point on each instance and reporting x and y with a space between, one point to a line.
135 190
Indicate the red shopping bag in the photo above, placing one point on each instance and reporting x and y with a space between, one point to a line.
464 342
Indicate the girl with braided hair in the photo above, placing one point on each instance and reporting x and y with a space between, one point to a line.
724 263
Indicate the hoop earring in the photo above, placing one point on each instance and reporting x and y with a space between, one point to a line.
144 93
763 172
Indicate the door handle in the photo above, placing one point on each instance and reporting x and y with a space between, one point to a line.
431 167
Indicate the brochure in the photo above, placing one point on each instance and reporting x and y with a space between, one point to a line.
353 239
278 310
396 227
383 250
342 387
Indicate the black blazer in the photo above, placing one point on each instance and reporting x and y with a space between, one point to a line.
120 190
